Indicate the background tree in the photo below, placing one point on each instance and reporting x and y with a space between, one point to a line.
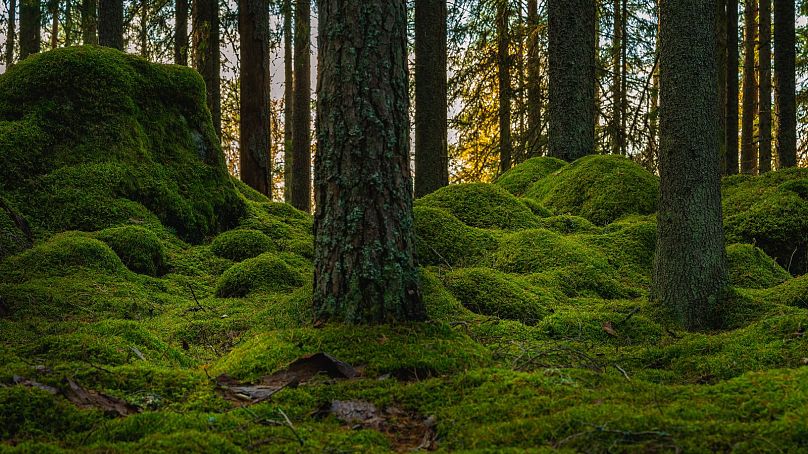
431 108
534 103
181 33
504 76
690 270
784 82
30 35
301 124
750 90
110 23
89 21
765 90
288 99
12 23
364 267
572 78
731 126
207 58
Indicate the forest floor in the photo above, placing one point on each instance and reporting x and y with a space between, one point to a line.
136 317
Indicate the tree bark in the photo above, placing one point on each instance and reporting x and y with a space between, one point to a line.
30 36
12 33
288 99
504 75
765 103
690 272
431 100
301 124
617 67
110 23
364 267
732 88
207 59
89 21
533 81
722 61
750 90
181 33
53 7
144 29
572 78
254 128
784 82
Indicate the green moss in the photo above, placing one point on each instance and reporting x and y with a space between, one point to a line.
750 267
139 248
538 250
290 230
481 205
601 188
238 245
568 224
33 413
265 272
537 208
12 239
519 178
441 239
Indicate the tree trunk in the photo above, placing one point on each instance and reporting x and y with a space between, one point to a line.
89 21
653 111
572 78
750 90
181 33
732 88
784 82
690 272
110 23
721 61
254 153
30 37
53 8
364 267
288 99
623 78
207 59
617 46
144 29
504 74
765 103
301 116
533 81
12 33
431 102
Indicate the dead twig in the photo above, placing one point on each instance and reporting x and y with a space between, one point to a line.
291 426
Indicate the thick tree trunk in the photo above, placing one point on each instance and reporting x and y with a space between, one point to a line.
572 78
110 23
533 81
288 99
690 272
254 153
784 81
750 90
207 59
89 21
30 36
301 124
617 67
431 102
181 33
504 74
732 88
765 102
12 33
721 61
364 267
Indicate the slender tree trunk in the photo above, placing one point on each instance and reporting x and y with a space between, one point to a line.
30 36
301 129
181 33
53 8
288 99
364 267
431 101
617 97
504 73
653 111
254 128
765 86
732 88
690 272
110 23
572 78
750 90
533 80
144 29
784 81
12 33
624 78
207 59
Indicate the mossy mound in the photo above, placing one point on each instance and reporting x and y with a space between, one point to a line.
519 178
750 267
441 239
537 208
567 224
289 229
91 137
481 205
139 248
601 188
13 238
241 244
538 250
265 272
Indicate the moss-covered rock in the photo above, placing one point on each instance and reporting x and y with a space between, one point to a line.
481 205
265 272
241 244
601 188
441 239
750 267
139 248
91 137
519 178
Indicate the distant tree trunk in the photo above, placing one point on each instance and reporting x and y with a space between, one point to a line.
110 23
784 82
732 88
624 79
53 9
431 101
288 99
301 123
181 33
30 36
207 59
12 33
144 29
721 56
690 272
364 267
533 80
572 78
89 21
750 90
765 103
504 74
617 96
254 154
653 111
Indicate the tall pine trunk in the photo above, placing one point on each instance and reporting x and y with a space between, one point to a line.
690 270
364 267
572 78
207 59
144 29
722 61
181 33
617 67
255 142
785 82
89 21
288 101
431 102
30 36
750 90
533 81
504 76
110 23
301 114
765 92
12 33
732 88
53 8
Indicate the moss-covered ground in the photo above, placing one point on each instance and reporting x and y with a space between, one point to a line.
540 333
